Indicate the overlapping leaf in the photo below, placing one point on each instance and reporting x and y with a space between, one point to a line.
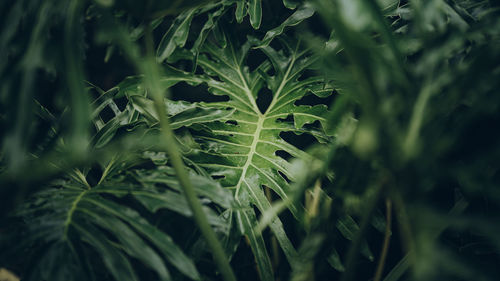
83 228
82 218
177 35
140 109
79 227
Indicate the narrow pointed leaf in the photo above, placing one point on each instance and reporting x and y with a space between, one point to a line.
255 12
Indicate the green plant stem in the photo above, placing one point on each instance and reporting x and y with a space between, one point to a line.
151 79
73 58
312 205
190 194
147 65
408 242
410 145
387 239
365 221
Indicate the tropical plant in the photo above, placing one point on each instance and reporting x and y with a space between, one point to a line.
249 139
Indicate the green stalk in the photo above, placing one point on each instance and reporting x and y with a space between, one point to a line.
190 194
365 221
152 82
410 145
387 239
80 105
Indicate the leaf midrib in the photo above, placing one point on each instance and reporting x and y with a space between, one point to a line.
71 211
280 88
251 153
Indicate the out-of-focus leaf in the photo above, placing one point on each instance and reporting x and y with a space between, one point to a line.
335 262
7 275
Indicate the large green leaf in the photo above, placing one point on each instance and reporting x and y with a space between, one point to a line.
80 216
69 217
240 149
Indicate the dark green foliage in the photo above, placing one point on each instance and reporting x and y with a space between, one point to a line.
306 129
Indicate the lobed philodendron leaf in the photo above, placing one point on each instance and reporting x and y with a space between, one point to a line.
178 33
81 228
81 218
241 149
140 108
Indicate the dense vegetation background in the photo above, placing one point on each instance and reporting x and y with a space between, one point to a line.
249 140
